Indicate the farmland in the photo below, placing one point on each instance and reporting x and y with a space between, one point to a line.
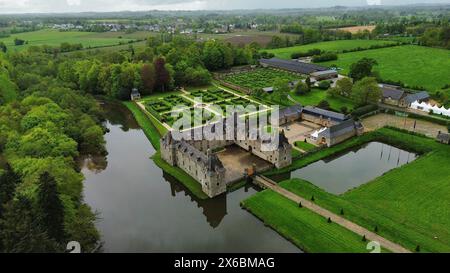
412 212
413 65
55 38
260 78
331 46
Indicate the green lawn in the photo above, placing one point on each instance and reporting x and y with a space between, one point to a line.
409 205
306 229
317 95
413 65
305 146
335 46
55 38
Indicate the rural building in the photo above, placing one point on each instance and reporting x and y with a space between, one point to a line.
416 97
324 75
339 132
196 159
396 96
391 94
290 114
292 66
135 95
443 138
321 116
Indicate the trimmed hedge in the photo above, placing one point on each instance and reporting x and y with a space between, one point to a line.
364 110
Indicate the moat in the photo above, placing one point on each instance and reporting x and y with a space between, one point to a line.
350 169
142 209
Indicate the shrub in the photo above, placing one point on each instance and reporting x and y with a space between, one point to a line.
324 105
325 57
324 85
364 110
301 88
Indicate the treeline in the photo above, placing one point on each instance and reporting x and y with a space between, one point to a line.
44 129
158 67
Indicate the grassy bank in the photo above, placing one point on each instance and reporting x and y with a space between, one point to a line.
151 130
190 183
408 205
306 229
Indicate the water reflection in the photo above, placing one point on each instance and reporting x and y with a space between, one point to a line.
352 168
143 209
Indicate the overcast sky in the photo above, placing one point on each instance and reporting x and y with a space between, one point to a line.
25 6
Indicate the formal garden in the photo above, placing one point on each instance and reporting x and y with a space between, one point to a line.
168 109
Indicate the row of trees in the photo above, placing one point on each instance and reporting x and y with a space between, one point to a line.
165 63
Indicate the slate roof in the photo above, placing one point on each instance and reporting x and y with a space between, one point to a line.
325 72
324 113
339 129
291 111
392 92
294 66
417 97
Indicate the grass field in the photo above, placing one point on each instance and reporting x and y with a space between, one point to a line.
334 46
306 229
409 205
317 95
413 65
55 38
305 146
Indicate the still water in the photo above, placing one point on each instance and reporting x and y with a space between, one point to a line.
142 209
351 169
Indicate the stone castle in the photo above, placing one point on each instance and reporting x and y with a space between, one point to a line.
197 159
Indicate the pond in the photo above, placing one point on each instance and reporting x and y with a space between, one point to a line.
142 209
351 169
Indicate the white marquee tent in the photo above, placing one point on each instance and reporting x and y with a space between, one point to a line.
426 107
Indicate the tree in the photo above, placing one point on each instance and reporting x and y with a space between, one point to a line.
163 76
324 105
8 182
148 76
301 88
51 207
3 47
21 230
344 87
362 68
281 91
308 83
366 91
